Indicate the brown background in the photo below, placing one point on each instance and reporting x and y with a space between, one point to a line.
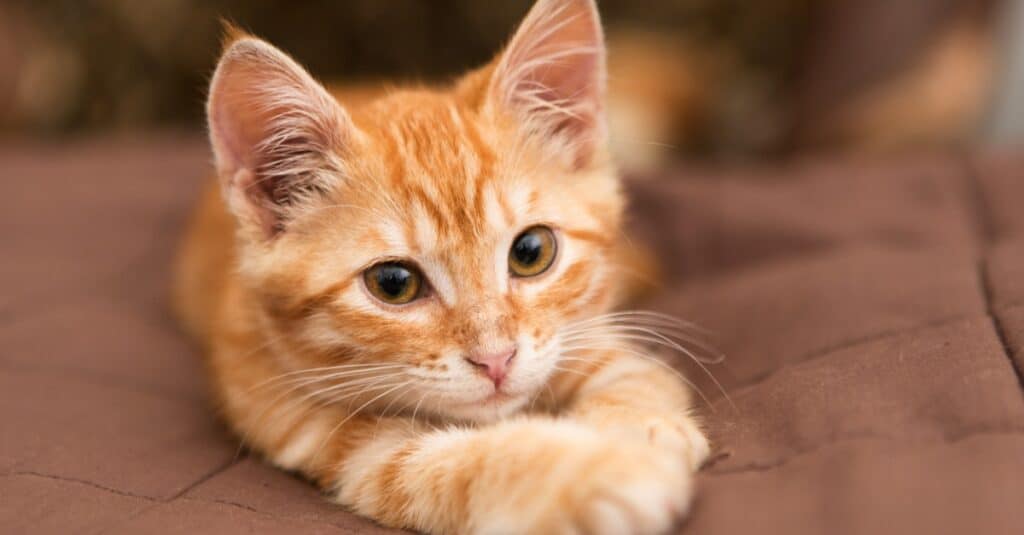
870 310
871 307
769 79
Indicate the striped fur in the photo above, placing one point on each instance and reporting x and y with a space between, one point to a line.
376 403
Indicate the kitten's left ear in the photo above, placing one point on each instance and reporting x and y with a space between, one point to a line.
552 78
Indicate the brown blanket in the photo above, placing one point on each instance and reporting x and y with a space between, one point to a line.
872 313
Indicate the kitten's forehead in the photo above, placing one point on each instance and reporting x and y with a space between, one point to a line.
444 166
442 185
445 193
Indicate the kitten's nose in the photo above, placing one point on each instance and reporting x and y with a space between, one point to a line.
495 365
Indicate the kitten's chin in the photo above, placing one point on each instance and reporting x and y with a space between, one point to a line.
495 407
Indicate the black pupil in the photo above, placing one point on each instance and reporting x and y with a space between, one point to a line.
527 249
393 279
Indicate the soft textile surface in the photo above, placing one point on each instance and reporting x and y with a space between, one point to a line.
872 313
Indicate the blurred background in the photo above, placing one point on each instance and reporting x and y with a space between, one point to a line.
696 79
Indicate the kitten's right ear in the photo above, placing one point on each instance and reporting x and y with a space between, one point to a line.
277 135
551 76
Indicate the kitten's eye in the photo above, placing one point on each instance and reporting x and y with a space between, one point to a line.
394 283
532 253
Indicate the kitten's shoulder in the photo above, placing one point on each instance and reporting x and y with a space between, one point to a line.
202 268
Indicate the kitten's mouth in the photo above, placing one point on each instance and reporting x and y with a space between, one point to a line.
490 407
497 397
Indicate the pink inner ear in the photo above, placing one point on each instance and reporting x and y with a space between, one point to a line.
553 73
258 94
274 130
235 126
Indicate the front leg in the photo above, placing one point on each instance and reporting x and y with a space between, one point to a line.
540 475
527 475
519 476
624 392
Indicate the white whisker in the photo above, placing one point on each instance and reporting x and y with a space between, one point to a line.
354 413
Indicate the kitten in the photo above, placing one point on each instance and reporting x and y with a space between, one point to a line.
408 301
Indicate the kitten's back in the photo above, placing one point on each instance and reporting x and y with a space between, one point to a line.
204 263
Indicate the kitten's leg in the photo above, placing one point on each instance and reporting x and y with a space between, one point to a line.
537 475
637 396
520 476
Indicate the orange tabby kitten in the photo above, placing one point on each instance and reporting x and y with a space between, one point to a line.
408 301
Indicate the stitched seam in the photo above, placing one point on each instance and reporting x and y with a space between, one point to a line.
952 438
827 351
987 233
208 476
276 516
79 481
178 495
997 324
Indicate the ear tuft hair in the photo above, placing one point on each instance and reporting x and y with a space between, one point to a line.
231 32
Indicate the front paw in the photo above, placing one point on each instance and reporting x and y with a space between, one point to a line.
683 438
584 482
633 490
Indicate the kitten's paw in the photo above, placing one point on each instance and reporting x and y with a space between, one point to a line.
645 505
685 438
559 478
620 489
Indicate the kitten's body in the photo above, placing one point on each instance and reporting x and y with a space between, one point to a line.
386 406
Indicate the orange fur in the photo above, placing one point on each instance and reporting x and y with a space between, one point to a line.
314 373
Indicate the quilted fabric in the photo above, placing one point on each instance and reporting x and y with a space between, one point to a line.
871 312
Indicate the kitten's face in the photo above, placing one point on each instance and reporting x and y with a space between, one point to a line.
430 247
436 198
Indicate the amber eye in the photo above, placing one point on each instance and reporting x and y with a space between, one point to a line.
533 252
394 283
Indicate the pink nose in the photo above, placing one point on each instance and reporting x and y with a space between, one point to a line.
495 365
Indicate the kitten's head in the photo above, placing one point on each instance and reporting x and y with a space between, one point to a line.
428 247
